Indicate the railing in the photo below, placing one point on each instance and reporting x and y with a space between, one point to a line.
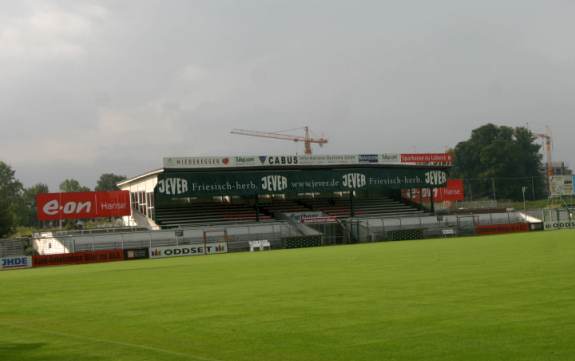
13 247
272 231
376 228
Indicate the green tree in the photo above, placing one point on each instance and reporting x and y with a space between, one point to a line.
108 181
28 215
501 159
72 185
10 198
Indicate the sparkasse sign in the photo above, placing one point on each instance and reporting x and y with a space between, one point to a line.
76 205
425 158
189 250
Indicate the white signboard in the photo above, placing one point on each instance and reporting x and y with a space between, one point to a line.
189 250
554 225
289 160
7 263
561 185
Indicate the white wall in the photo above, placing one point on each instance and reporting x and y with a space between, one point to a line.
145 184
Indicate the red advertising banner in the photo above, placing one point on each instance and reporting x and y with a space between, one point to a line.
501 228
75 205
426 158
78 258
453 192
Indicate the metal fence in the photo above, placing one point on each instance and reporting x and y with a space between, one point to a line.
380 229
237 237
13 247
285 235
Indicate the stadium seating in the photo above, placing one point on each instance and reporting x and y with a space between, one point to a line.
207 213
372 207
224 213
9 248
283 206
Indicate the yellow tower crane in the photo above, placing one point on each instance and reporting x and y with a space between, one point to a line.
306 139
548 149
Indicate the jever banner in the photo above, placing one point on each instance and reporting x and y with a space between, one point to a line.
75 205
190 184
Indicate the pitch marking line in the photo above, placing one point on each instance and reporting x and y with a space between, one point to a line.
118 343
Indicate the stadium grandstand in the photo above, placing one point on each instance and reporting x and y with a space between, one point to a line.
283 201
196 191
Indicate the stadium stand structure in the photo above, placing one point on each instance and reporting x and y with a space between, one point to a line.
374 207
208 213
236 190
211 213
9 247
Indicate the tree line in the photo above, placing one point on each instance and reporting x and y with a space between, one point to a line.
18 203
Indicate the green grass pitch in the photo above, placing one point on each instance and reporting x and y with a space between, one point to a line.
508 297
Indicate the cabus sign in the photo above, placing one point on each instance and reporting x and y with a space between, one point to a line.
77 205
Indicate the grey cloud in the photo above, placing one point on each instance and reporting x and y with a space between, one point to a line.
116 85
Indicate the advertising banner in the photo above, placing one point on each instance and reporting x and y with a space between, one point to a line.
284 160
452 192
78 258
555 225
190 184
189 250
136 253
427 158
311 217
76 205
562 185
501 228
8 263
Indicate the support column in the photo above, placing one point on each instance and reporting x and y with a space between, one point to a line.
257 209
351 210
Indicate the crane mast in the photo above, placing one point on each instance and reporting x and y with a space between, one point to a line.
548 149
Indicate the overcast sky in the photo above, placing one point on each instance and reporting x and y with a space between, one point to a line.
89 87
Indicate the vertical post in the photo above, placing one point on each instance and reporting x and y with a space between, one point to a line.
431 200
523 189
421 198
532 189
493 188
257 209
351 210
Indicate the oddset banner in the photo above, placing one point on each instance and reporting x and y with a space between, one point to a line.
76 205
